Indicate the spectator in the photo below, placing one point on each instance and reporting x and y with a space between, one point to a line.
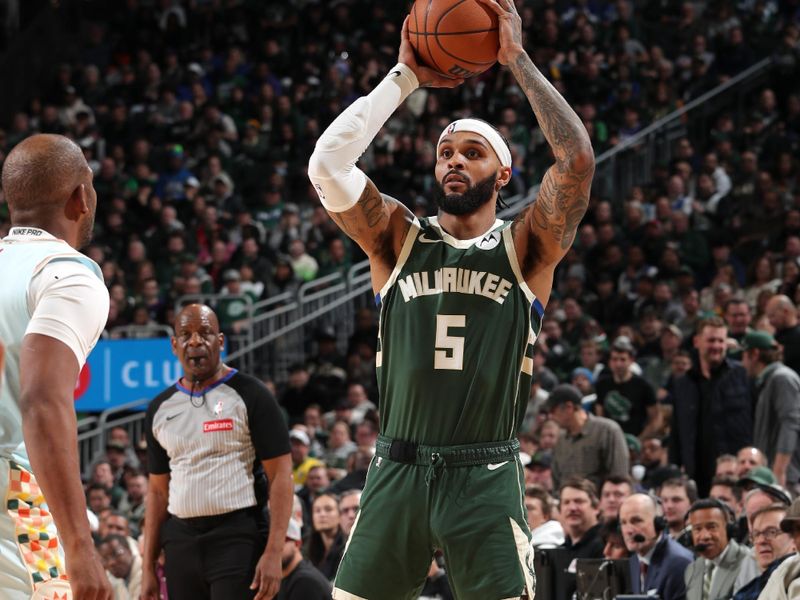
302 463
613 544
772 546
654 459
326 543
727 467
677 496
578 509
777 419
593 447
749 458
349 503
546 532
625 397
658 562
123 567
782 315
613 491
340 446
713 573
783 584
725 490
300 580
539 471
712 410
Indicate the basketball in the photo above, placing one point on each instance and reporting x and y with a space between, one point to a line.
457 38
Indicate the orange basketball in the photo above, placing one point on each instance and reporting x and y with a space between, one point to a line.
457 38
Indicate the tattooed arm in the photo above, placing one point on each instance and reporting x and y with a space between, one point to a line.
545 231
376 222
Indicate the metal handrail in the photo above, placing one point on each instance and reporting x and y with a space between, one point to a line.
518 202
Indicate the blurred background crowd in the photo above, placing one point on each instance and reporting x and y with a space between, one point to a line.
676 304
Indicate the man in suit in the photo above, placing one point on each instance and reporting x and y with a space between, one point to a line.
713 574
658 562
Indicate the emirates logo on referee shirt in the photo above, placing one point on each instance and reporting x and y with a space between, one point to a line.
218 425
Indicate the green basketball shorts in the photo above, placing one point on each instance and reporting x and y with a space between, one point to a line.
467 501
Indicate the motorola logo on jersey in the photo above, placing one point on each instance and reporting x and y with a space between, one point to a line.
489 241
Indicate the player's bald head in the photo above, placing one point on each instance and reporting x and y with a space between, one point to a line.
197 313
41 173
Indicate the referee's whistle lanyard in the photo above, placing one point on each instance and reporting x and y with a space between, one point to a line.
435 468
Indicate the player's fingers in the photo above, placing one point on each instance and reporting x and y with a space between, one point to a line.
494 5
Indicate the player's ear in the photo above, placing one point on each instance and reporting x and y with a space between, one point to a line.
78 203
503 178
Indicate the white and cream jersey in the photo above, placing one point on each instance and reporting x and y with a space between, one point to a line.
51 289
211 441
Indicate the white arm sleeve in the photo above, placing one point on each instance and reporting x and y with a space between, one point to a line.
69 303
332 167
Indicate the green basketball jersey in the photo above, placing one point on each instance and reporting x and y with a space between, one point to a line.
457 328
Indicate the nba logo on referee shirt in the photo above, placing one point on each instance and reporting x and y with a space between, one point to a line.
218 408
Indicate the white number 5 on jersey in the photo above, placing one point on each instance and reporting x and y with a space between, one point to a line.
449 352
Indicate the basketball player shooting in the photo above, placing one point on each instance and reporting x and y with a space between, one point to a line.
461 298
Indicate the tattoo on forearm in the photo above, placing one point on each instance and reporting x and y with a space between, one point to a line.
564 193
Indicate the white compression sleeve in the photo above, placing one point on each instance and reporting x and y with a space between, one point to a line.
332 167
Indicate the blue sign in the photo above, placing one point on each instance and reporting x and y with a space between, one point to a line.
122 371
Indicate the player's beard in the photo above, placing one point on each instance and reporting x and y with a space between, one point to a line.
464 204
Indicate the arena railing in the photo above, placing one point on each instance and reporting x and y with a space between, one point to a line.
92 430
631 162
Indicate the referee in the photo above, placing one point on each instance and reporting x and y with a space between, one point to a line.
210 438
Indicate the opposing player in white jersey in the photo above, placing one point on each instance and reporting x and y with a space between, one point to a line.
53 307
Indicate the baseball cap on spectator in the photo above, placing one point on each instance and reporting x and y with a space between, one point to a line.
673 329
582 371
326 333
576 271
633 442
758 476
192 182
561 394
541 459
231 275
291 207
223 179
299 436
176 150
792 518
293 531
115 445
623 344
196 69
759 340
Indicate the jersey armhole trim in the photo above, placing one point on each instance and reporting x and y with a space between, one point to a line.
408 243
511 251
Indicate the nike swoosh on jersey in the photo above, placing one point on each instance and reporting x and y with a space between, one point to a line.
395 74
426 240
494 466
170 417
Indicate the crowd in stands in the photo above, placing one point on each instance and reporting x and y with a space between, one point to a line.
674 316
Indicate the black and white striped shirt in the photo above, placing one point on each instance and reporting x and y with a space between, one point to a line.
212 441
